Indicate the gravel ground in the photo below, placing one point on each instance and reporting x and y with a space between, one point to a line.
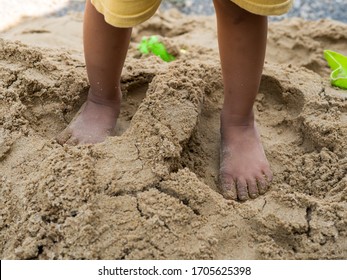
307 9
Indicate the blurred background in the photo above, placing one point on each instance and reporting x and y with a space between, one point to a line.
307 9
14 11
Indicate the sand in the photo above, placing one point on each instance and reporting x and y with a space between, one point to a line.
151 192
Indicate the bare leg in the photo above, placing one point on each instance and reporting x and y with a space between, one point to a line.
244 170
105 49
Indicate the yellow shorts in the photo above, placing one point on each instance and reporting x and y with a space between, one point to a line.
128 13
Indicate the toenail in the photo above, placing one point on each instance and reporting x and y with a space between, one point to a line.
253 195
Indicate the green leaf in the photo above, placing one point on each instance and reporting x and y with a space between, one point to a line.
152 45
143 46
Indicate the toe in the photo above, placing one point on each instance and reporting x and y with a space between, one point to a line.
252 188
72 141
262 184
63 137
242 190
268 175
228 188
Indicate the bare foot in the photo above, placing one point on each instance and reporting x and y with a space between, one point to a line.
93 123
244 170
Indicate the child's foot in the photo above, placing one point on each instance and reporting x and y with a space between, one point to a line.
244 170
93 123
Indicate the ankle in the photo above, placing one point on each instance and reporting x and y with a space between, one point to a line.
107 98
231 119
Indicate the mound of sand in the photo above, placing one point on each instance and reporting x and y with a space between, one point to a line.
151 192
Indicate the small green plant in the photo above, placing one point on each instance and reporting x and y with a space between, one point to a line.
153 45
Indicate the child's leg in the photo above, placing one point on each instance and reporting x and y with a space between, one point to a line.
244 170
105 50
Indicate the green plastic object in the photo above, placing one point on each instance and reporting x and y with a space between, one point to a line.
152 45
338 63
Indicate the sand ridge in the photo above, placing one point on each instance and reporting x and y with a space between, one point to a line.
151 191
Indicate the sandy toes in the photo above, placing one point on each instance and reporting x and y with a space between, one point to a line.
244 170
